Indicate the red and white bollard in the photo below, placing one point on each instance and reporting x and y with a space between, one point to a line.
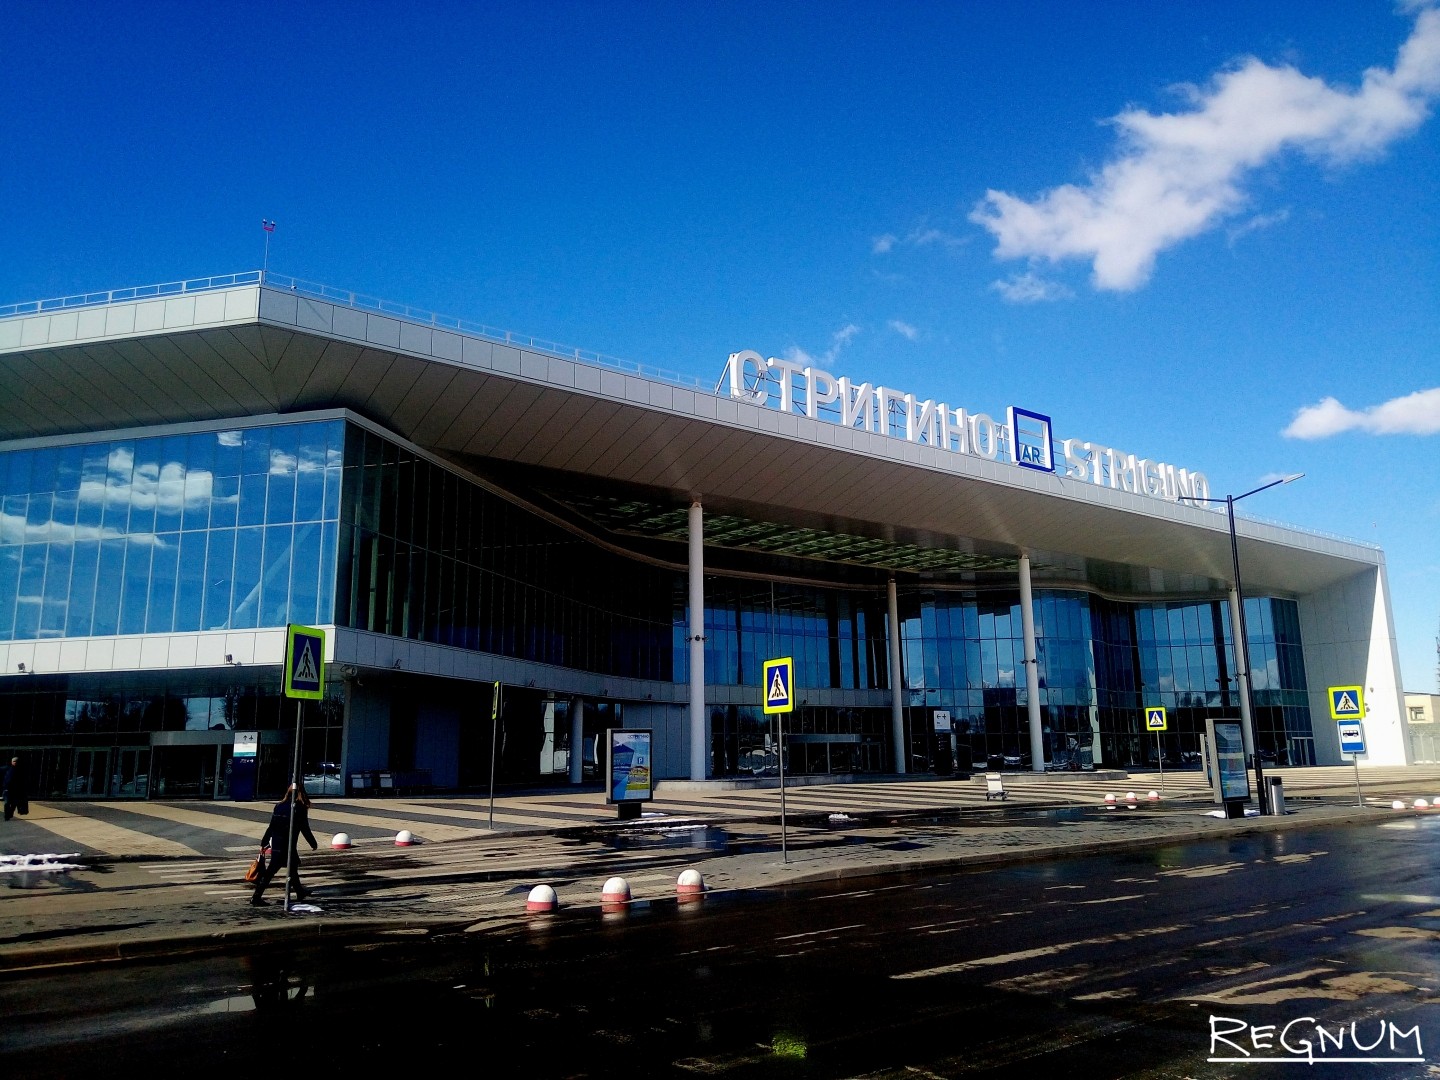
1154 796
1397 805
615 892
1421 804
1109 802
690 886
341 842
404 838
541 899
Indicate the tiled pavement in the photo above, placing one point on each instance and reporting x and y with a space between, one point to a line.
134 896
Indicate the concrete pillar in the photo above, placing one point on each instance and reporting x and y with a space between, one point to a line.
1242 678
699 743
897 682
1032 669
577 740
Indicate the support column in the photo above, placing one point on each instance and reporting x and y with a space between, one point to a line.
577 740
1242 677
1032 669
897 682
699 744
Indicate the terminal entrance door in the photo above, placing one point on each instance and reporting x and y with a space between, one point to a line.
89 774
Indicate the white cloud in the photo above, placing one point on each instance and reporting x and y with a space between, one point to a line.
838 340
1030 288
918 237
1413 414
904 329
1178 174
1256 224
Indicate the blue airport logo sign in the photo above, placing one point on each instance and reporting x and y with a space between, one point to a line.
1031 446
1347 703
779 685
304 662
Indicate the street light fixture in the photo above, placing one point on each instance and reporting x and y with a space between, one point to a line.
1242 644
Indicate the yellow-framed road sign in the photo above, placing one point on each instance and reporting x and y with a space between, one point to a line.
1155 719
1347 703
779 685
304 662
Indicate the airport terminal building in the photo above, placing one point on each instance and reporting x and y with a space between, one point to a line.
186 469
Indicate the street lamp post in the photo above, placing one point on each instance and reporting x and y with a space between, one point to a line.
1242 643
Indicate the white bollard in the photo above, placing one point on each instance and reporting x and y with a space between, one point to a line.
541 898
1421 804
1129 796
404 838
1397 805
690 885
1109 802
615 891
341 841
1154 796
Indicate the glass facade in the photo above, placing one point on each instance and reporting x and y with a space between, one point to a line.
212 531
327 522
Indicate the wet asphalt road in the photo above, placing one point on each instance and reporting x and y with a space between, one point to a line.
1102 966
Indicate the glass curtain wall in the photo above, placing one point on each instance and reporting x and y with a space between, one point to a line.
210 531
427 555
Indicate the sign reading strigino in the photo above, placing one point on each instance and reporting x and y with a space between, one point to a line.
304 662
779 685
1023 438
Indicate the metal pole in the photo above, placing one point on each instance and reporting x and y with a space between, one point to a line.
780 723
1242 651
1358 800
294 796
1160 757
494 729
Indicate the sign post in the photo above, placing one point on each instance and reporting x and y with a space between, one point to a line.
1347 708
304 681
778 689
494 725
1155 721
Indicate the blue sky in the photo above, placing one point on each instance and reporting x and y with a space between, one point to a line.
1206 233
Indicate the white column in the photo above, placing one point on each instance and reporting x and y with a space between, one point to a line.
577 740
1032 669
897 682
1242 678
699 743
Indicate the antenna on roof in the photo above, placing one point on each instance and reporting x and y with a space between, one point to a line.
269 227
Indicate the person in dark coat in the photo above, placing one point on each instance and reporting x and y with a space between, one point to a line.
277 836
16 795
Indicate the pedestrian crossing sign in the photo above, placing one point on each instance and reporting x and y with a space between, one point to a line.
779 685
1155 719
1347 703
304 662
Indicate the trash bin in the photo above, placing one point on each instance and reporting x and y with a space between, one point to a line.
1276 793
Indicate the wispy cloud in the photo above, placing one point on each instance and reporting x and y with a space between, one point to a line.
904 329
1413 414
920 237
1256 224
1179 174
1030 288
838 340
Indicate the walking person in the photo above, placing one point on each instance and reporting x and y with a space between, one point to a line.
279 837
16 794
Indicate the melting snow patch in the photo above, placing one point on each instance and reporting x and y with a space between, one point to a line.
38 863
